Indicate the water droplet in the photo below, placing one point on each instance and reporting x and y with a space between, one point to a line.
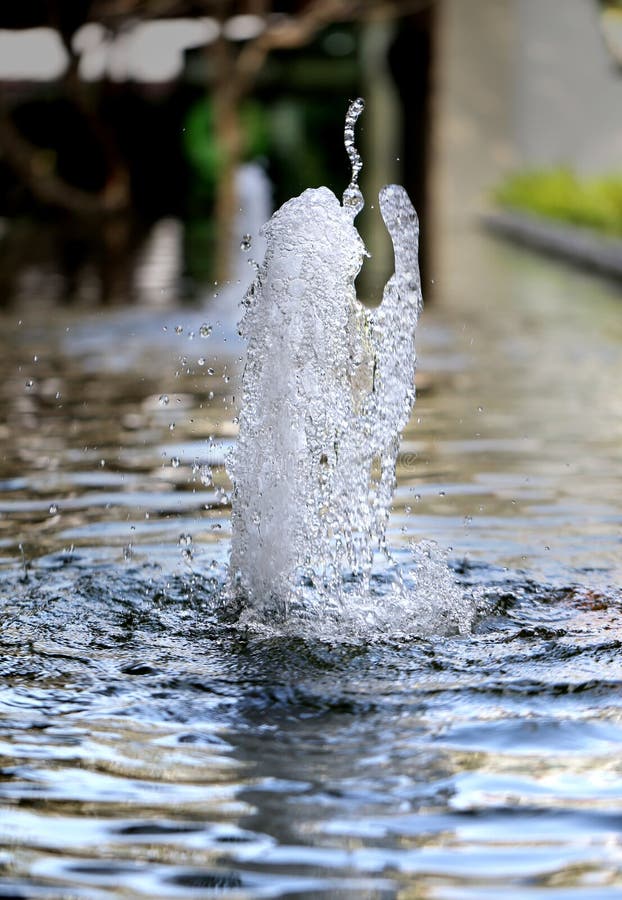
29 383
201 360
53 509
128 552
185 542
246 242
205 330
57 395
352 196
210 371
35 358
179 329
171 427
206 476
175 462
163 399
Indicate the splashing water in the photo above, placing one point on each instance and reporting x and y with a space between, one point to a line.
327 389
352 196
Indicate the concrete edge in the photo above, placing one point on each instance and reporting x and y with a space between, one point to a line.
577 245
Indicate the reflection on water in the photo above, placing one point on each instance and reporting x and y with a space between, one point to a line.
150 749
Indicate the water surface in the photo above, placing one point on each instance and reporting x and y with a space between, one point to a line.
149 748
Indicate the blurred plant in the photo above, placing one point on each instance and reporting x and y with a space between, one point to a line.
234 62
562 195
203 151
237 65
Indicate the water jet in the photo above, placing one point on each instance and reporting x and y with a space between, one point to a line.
327 388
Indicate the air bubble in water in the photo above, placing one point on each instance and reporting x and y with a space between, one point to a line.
53 509
246 242
205 330
163 399
179 329
175 462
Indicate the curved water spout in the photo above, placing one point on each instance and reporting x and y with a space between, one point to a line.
328 387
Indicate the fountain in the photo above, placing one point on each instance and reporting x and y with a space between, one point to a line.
327 389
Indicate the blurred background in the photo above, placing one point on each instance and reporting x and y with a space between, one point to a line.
140 140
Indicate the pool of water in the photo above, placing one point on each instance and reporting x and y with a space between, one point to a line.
149 748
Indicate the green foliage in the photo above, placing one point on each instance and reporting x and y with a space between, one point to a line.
200 144
561 195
